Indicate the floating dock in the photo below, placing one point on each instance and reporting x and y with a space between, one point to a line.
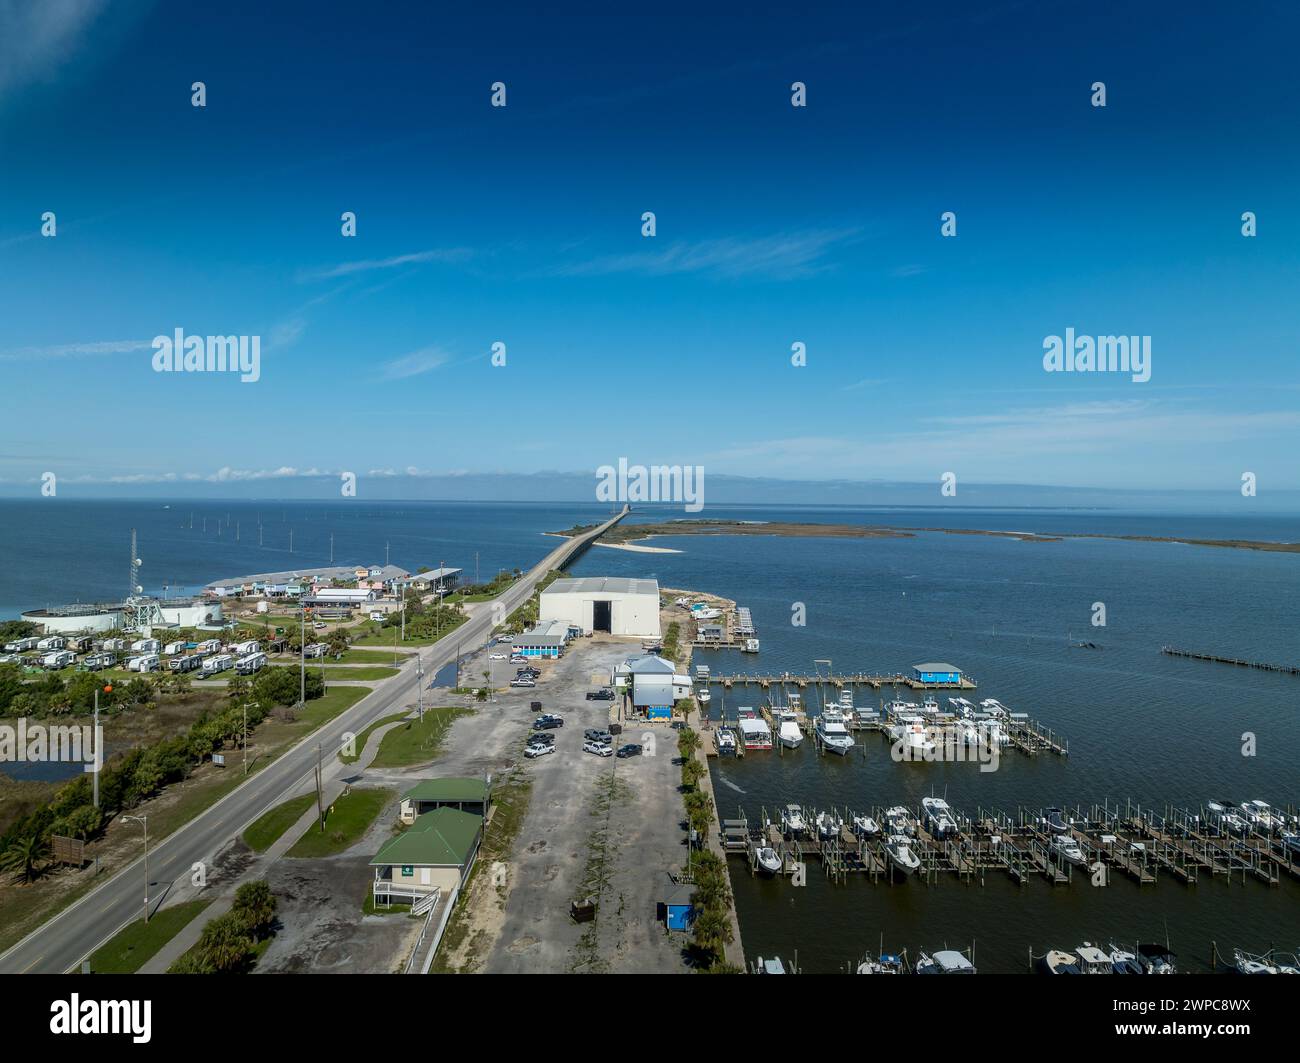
852 679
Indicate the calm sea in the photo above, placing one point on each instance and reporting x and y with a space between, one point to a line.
1141 726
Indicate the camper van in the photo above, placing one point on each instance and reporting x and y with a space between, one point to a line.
253 662
97 661
21 645
173 648
219 663
185 663
57 659
243 649
146 662
54 642
146 646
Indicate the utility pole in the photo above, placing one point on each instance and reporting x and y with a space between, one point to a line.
99 750
244 706
320 797
419 686
302 654
144 822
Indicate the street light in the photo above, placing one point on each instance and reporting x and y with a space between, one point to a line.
144 822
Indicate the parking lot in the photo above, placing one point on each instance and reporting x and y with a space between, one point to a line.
600 825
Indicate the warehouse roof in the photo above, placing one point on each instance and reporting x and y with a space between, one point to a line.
448 790
604 585
935 666
444 837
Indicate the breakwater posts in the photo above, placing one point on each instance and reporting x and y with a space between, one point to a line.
1129 839
1263 666
852 679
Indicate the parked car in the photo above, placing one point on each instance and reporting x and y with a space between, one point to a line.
531 673
505 638
629 750
548 721
541 736
595 734
496 656
318 626
522 682
598 748
538 749
518 658
604 694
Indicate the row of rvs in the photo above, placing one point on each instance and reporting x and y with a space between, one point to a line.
58 651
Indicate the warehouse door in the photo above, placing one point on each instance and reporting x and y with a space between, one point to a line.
600 616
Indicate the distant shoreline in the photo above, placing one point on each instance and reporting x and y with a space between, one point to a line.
624 535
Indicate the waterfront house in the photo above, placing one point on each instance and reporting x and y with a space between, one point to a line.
937 672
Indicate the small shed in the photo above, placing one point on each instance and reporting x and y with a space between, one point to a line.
936 672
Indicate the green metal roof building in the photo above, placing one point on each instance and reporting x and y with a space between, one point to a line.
436 853
464 794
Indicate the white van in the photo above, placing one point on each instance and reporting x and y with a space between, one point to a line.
314 649
219 663
253 662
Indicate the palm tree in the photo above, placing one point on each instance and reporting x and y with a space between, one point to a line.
225 945
22 855
255 905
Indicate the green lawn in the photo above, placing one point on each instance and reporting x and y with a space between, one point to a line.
417 742
364 736
136 945
362 674
345 821
366 656
263 832
378 637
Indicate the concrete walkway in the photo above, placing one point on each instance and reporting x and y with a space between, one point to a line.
331 789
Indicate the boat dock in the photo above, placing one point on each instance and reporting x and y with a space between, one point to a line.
852 679
1129 840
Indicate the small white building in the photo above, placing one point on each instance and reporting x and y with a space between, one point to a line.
655 683
611 604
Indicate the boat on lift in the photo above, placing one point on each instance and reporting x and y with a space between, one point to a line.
946 961
767 859
829 824
865 827
885 963
939 818
898 820
901 854
793 820
1069 850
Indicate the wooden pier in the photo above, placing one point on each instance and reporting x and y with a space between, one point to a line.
852 679
1263 666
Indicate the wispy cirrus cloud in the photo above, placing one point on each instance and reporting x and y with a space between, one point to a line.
781 256
36 38
73 350
424 360
369 265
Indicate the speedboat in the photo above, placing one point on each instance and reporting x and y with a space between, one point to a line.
767 859
1055 819
946 961
908 733
829 824
771 966
1262 816
725 739
898 820
1058 961
702 694
1222 814
865 827
1156 959
1093 960
939 819
832 733
886 963
1068 849
899 850
1123 961
787 728
792 820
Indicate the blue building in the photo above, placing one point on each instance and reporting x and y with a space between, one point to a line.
546 640
937 672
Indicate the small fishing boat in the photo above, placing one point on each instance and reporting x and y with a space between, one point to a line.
1262 816
1124 962
1222 815
1156 959
832 733
1068 849
1093 960
946 961
908 735
702 694
829 825
1058 961
885 963
749 646
767 860
939 819
787 728
769 966
898 820
899 850
1055 820
865 827
793 820
725 739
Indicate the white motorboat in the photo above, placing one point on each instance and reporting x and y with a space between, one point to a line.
1058 961
749 646
899 850
993 707
787 729
1124 962
702 694
725 739
884 964
865 827
832 733
793 820
770 966
1227 820
1068 849
946 961
909 735
898 820
939 819
1262 816
829 825
1157 959
1093 960
961 707
767 860
1245 963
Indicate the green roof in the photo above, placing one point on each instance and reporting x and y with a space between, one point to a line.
444 837
449 791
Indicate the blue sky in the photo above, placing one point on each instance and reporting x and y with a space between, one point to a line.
522 225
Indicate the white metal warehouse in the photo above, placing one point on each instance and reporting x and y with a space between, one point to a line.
616 605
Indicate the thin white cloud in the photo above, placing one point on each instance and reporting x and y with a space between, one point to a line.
415 363
347 269
72 350
36 38
782 256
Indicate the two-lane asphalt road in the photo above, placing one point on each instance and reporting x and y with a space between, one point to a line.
62 943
